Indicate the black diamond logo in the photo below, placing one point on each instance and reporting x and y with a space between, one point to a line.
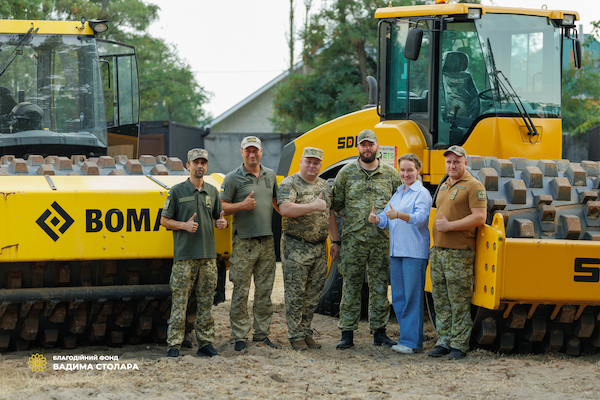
42 221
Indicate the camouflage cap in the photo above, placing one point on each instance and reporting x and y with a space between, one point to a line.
313 152
459 151
251 141
194 154
367 134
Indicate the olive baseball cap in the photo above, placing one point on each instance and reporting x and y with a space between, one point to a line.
194 154
313 152
367 134
459 151
251 141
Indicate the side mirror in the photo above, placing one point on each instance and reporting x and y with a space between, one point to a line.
577 53
413 43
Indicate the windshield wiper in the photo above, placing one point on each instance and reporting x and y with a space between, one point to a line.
509 92
11 57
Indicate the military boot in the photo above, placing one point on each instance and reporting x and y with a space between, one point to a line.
347 340
380 338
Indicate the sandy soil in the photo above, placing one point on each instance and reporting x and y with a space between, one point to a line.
363 372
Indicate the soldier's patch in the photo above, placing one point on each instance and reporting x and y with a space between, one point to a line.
167 201
444 187
189 198
208 202
453 195
460 187
481 195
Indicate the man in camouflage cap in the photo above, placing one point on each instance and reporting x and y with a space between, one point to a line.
249 193
461 208
191 208
304 202
360 185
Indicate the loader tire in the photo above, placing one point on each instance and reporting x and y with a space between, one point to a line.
329 303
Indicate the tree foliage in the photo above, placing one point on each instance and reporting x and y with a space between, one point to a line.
581 95
339 53
167 84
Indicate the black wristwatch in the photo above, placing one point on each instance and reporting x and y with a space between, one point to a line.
338 242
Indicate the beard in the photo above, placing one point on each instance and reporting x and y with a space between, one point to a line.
367 158
199 173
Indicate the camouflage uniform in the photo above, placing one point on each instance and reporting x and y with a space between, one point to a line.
183 276
252 256
303 253
364 245
452 289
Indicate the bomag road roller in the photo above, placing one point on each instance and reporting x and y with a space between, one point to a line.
489 79
83 257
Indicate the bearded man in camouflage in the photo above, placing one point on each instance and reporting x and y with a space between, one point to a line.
304 202
189 211
360 185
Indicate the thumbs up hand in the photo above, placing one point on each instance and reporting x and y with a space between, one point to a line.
373 218
190 225
442 224
222 222
391 213
320 204
249 203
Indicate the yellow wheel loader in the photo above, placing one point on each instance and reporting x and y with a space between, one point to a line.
83 258
489 79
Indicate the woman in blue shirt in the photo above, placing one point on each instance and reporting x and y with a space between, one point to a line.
407 217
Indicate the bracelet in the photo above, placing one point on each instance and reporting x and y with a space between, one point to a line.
397 213
338 242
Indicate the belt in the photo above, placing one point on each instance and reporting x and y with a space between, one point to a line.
302 240
260 238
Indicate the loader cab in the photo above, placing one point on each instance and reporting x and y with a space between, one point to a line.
59 96
469 67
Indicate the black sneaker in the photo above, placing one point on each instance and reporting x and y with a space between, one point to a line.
267 342
173 353
456 354
207 351
240 345
438 351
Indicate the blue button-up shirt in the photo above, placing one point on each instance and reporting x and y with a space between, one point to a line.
409 239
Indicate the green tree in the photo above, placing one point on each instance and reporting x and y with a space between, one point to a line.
167 85
340 52
581 92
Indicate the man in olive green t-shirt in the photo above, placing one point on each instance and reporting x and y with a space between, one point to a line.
189 211
249 193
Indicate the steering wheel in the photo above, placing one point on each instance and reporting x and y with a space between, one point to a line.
486 94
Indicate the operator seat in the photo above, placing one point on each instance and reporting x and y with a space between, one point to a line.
459 103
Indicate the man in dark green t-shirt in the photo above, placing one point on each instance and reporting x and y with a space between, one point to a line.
249 193
189 210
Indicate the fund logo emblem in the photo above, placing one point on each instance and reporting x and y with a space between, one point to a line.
37 362
55 221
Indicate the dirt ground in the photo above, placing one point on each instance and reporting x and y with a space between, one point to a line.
363 372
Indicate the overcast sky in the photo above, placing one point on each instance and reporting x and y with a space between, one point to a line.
237 46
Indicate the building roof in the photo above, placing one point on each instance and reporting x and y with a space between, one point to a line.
256 94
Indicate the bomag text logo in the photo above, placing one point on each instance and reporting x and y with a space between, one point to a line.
37 362
55 221
115 220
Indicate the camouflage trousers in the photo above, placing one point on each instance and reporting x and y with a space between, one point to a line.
356 257
183 276
304 270
252 257
452 290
